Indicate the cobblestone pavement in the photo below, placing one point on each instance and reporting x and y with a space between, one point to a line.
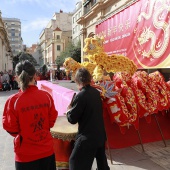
157 152
155 157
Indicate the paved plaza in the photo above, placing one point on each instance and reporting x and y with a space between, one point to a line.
155 157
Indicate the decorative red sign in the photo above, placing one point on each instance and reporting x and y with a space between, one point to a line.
140 32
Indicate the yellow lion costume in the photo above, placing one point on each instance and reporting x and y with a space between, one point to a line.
99 61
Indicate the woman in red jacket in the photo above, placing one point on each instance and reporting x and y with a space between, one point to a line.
28 116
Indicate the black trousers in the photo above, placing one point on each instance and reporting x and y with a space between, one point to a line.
83 155
47 163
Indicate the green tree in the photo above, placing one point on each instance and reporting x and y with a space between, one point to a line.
76 52
22 56
73 51
16 60
59 61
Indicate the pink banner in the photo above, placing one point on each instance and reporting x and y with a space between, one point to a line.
62 96
140 32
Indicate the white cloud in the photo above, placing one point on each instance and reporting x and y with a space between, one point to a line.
65 5
46 3
21 1
37 24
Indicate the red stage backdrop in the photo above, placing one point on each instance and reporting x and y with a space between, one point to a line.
140 32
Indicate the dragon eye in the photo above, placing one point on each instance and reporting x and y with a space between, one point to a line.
91 46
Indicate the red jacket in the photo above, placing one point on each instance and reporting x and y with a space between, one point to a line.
28 116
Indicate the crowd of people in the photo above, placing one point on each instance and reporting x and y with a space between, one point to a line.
8 79
57 75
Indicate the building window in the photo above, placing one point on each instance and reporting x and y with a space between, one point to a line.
80 14
87 8
58 48
73 20
93 2
76 17
88 4
58 37
13 34
77 28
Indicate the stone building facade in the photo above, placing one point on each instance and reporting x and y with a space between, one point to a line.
96 11
55 37
5 49
13 26
76 27
34 50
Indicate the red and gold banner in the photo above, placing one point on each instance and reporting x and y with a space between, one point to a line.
140 32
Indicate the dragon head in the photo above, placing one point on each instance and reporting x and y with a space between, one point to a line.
70 64
93 45
144 36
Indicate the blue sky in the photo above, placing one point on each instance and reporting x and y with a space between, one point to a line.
34 14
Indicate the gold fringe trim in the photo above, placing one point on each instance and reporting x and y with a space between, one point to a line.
62 164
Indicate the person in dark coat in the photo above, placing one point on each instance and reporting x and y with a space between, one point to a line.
86 110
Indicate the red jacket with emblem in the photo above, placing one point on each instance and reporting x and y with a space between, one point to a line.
28 116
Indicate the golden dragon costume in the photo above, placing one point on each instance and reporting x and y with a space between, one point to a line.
99 61
132 94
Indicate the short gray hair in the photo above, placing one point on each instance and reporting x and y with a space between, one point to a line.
83 76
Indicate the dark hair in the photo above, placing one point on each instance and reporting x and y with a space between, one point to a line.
83 76
25 72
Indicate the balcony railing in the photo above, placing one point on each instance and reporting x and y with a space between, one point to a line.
57 40
86 2
88 5
93 2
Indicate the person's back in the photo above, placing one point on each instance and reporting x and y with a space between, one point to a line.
92 107
6 86
86 110
5 77
34 139
28 116
1 80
